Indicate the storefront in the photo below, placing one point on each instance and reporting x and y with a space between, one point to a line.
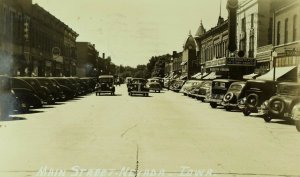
48 68
231 67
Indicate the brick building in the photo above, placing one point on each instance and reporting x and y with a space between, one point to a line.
87 57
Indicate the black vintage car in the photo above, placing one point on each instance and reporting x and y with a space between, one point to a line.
256 92
204 91
105 85
68 85
54 88
234 93
67 89
24 91
41 91
138 86
218 90
280 106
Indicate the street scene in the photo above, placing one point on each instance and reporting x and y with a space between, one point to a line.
126 88
112 132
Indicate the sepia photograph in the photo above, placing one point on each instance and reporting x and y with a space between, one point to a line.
149 88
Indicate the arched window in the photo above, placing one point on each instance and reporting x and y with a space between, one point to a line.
286 30
278 33
295 28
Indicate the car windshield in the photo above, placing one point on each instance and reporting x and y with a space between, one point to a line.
288 90
220 84
235 88
105 79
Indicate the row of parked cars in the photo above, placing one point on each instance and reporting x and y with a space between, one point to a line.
272 99
23 93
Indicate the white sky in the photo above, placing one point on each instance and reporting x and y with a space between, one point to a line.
131 31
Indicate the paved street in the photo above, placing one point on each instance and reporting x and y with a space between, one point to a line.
166 131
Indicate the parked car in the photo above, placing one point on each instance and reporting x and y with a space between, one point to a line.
154 84
186 87
280 106
176 85
204 91
218 90
234 93
24 91
67 89
296 116
105 85
54 88
256 93
138 86
67 85
194 88
91 82
41 91
160 81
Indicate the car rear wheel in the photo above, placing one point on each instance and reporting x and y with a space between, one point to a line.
267 118
297 123
213 105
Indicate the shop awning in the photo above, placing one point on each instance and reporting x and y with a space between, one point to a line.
197 75
183 63
279 72
250 76
211 76
184 76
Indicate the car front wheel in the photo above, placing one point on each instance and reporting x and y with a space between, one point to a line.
297 122
246 112
213 105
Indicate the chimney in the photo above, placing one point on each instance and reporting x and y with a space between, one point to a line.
232 6
103 55
174 54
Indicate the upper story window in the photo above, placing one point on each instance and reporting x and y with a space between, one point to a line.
294 27
243 25
278 32
286 30
252 20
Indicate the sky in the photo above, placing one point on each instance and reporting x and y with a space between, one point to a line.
131 31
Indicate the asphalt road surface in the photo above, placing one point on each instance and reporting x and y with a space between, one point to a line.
165 134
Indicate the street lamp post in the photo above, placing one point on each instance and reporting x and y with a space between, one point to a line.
274 55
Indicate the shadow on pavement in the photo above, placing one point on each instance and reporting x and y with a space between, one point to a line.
108 95
140 96
283 122
29 112
12 118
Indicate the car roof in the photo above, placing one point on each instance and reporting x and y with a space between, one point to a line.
106 76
